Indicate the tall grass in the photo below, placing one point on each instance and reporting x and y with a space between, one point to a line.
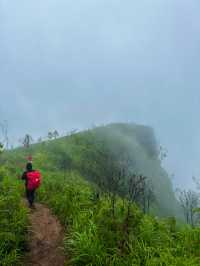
13 223
94 237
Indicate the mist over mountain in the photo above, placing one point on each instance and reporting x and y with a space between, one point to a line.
68 65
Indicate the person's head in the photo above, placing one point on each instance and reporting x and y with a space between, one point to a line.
29 167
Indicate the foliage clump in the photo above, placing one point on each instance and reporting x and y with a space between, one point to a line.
96 237
13 222
95 182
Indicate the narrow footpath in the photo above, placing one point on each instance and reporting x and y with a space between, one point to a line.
45 239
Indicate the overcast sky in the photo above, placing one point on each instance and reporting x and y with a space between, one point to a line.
73 63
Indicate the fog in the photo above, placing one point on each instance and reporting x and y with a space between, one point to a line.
72 64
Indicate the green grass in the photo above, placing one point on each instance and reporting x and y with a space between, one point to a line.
94 237
73 169
13 223
87 153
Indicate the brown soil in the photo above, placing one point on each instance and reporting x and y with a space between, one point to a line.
46 239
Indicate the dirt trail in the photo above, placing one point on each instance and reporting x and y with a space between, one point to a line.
46 239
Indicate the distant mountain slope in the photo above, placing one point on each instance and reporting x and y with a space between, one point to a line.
140 142
78 151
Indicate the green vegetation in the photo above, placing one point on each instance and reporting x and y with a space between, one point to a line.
95 153
106 185
13 221
95 237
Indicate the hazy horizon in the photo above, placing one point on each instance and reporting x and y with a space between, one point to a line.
73 64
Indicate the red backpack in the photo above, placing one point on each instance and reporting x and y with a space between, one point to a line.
34 180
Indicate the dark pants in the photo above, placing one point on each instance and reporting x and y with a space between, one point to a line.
30 194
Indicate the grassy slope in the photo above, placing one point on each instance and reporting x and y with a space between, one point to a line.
138 141
13 221
94 237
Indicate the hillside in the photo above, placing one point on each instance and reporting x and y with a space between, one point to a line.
86 185
81 151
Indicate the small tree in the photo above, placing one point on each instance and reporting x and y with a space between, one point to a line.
55 134
148 196
137 191
50 135
4 132
189 201
1 147
162 153
27 141
197 210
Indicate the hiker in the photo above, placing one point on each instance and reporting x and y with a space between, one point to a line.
32 182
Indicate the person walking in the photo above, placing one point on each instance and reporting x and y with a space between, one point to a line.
32 182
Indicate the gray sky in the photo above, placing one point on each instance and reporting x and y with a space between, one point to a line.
70 64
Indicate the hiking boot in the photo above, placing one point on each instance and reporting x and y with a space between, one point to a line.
32 207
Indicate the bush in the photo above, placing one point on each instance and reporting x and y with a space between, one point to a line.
95 237
13 223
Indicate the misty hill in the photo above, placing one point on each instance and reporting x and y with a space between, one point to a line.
140 143
83 152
